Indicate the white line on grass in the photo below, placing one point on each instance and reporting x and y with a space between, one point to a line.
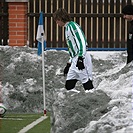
28 127
19 119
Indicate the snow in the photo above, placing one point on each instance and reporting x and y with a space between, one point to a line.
120 91
115 81
103 54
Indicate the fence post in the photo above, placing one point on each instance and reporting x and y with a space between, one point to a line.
18 24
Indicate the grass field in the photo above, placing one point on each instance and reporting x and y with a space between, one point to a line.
13 123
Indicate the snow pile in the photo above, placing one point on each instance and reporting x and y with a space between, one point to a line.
106 110
117 83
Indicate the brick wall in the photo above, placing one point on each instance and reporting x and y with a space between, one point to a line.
18 23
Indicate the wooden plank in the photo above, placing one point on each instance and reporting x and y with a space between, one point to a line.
89 25
106 24
31 25
49 24
5 24
100 4
77 10
117 26
71 6
66 7
83 26
43 5
123 43
94 27
54 26
111 38
60 29
36 21
128 23
89 15
66 4
60 3
1 23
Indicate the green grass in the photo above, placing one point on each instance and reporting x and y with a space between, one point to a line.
13 123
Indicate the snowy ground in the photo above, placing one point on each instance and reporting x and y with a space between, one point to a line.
21 80
117 82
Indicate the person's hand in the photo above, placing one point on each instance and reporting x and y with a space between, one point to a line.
80 63
66 69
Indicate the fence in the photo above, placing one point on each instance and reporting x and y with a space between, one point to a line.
101 20
3 23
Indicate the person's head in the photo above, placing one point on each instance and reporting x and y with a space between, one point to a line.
128 12
61 16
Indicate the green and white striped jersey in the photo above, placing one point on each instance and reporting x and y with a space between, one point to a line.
75 39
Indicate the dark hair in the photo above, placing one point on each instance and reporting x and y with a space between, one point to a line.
128 9
62 15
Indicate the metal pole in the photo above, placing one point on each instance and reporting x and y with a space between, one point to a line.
43 74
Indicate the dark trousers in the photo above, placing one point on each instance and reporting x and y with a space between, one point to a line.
70 84
129 52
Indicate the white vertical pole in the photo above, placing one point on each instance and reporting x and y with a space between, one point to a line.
43 74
